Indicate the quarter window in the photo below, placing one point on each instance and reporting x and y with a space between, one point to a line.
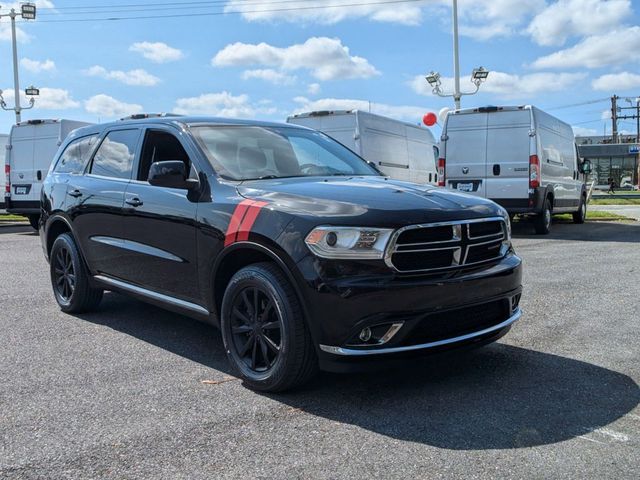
76 155
114 157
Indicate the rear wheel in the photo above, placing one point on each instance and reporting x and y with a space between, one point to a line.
264 334
34 221
70 279
581 214
542 222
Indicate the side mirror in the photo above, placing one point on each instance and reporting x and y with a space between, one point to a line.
585 167
172 174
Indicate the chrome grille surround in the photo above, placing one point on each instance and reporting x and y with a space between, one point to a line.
461 243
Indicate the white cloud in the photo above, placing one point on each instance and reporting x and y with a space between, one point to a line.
49 99
137 77
313 88
104 105
326 58
611 48
402 112
223 104
507 85
617 81
565 18
584 132
37 66
269 75
157 52
485 19
406 14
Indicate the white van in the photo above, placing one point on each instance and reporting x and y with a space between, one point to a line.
520 157
4 139
31 148
401 150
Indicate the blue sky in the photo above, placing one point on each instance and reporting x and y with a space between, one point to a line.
267 64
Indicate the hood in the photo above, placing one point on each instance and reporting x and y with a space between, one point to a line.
366 200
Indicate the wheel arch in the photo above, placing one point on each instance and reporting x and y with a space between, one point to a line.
56 226
242 254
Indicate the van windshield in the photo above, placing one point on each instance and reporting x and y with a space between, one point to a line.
257 153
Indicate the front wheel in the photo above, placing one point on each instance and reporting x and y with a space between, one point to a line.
263 330
542 222
581 214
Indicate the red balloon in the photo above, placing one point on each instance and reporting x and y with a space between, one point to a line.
430 119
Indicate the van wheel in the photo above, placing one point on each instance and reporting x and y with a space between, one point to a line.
70 278
263 330
34 221
542 222
581 214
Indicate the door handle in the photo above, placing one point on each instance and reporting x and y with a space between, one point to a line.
134 202
75 193
496 169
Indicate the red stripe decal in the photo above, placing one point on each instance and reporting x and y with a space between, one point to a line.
236 220
249 220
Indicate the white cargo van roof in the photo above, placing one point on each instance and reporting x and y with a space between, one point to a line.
326 113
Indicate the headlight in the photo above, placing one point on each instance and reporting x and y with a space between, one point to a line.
507 221
359 243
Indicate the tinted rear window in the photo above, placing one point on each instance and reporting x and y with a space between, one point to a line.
76 155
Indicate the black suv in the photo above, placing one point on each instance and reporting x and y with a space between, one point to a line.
303 254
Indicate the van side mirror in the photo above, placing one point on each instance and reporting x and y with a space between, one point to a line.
172 174
585 167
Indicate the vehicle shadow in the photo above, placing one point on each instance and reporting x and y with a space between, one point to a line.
498 397
17 228
625 232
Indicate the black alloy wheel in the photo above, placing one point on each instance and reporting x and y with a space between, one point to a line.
64 274
70 279
265 335
256 327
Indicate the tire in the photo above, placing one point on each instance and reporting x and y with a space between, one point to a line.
70 278
263 330
581 214
34 221
542 222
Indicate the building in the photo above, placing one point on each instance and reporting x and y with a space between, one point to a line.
618 161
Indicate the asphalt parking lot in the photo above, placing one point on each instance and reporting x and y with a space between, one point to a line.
133 391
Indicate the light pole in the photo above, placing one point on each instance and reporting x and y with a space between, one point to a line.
478 75
27 12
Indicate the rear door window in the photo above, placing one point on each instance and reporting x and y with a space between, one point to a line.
76 155
115 155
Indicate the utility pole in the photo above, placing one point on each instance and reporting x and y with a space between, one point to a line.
614 119
27 12
456 57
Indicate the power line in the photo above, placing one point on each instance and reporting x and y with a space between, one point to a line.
230 12
150 7
588 102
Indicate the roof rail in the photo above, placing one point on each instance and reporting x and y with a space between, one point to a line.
140 116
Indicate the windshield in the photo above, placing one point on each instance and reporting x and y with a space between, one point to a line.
252 153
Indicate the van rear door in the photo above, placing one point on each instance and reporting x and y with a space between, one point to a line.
22 174
466 152
508 150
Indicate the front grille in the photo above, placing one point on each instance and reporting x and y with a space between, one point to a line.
483 252
455 323
420 248
485 229
424 260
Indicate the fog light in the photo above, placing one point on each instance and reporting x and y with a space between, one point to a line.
365 334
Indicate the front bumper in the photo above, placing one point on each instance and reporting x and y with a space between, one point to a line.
434 312
353 352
